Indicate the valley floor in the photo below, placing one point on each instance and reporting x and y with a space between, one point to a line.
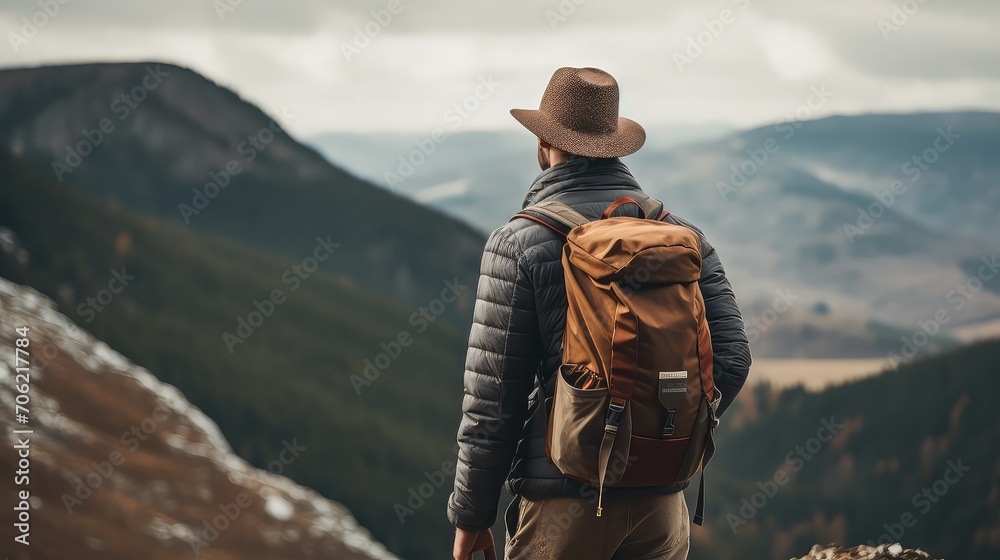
814 375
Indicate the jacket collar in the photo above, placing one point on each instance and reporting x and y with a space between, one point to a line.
580 174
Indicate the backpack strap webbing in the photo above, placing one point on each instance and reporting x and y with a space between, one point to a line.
555 215
561 218
652 208
621 383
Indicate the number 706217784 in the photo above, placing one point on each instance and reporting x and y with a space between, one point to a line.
22 378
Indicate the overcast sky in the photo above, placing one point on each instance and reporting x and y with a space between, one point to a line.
733 62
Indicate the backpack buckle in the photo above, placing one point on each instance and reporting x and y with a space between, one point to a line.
615 409
668 426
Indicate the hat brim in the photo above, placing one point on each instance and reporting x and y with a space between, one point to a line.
629 137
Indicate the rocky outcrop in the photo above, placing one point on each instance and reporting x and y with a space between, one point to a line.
881 552
119 465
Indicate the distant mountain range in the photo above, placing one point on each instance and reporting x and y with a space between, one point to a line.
872 222
122 466
807 220
479 177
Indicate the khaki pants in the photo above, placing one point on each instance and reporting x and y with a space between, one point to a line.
633 527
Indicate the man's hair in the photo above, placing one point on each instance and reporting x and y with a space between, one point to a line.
570 156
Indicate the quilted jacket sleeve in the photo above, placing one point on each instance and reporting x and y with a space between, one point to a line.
729 338
504 351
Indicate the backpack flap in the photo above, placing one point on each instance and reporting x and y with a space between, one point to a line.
619 248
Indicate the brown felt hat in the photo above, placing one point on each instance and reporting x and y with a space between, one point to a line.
579 114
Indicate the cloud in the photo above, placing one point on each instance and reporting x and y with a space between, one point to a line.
429 54
795 53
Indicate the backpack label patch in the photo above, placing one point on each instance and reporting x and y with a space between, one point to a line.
673 382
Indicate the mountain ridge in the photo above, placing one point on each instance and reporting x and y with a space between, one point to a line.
190 151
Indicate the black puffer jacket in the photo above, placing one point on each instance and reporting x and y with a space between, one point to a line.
518 327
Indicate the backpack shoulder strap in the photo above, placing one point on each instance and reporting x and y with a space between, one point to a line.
561 218
652 208
553 214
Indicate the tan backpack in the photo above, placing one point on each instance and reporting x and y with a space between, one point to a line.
635 400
